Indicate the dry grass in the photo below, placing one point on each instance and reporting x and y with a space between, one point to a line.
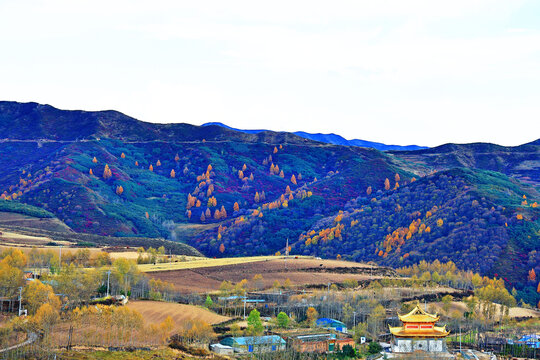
207 276
203 262
154 312
459 306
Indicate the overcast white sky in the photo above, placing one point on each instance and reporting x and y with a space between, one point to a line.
400 72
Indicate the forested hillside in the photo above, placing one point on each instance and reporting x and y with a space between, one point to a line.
231 193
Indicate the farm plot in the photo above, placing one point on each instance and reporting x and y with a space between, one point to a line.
154 312
302 271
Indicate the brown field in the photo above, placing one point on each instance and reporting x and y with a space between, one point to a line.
8 219
302 271
154 312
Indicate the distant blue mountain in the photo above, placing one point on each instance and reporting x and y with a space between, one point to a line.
333 139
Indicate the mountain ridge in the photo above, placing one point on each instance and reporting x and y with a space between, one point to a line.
331 139
107 174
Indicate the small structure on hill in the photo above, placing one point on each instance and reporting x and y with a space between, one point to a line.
332 324
222 349
418 333
250 344
320 343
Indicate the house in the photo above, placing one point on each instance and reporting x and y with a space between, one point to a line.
320 343
332 324
255 343
418 333
532 341
222 349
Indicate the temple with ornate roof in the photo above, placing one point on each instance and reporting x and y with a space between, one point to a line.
419 333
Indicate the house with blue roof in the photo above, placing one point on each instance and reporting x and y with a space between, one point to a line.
249 344
532 341
332 324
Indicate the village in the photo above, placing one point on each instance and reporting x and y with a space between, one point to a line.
276 308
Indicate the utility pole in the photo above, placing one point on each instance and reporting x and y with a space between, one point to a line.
354 322
20 300
286 253
460 337
245 298
108 277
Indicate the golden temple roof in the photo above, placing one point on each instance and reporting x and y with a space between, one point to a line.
417 315
436 331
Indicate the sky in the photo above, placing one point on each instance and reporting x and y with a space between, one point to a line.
398 72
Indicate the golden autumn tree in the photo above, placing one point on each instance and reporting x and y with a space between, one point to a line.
256 198
217 214
396 177
311 315
281 174
203 218
240 174
146 215
176 157
189 214
244 167
251 177
236 207
222 248
198 203
440 222
386 184
532 275
173 173
208 213
288 190
136 163
368 190
119 190
94 160
151 168
223 212
123 156
158 163
275 149
90 172
107 173
293 179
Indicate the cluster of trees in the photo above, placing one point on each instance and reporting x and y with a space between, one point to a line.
22 186
446 215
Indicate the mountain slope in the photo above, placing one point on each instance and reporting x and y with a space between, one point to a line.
230 193
521 162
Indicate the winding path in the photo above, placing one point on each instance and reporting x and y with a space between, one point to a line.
32 336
